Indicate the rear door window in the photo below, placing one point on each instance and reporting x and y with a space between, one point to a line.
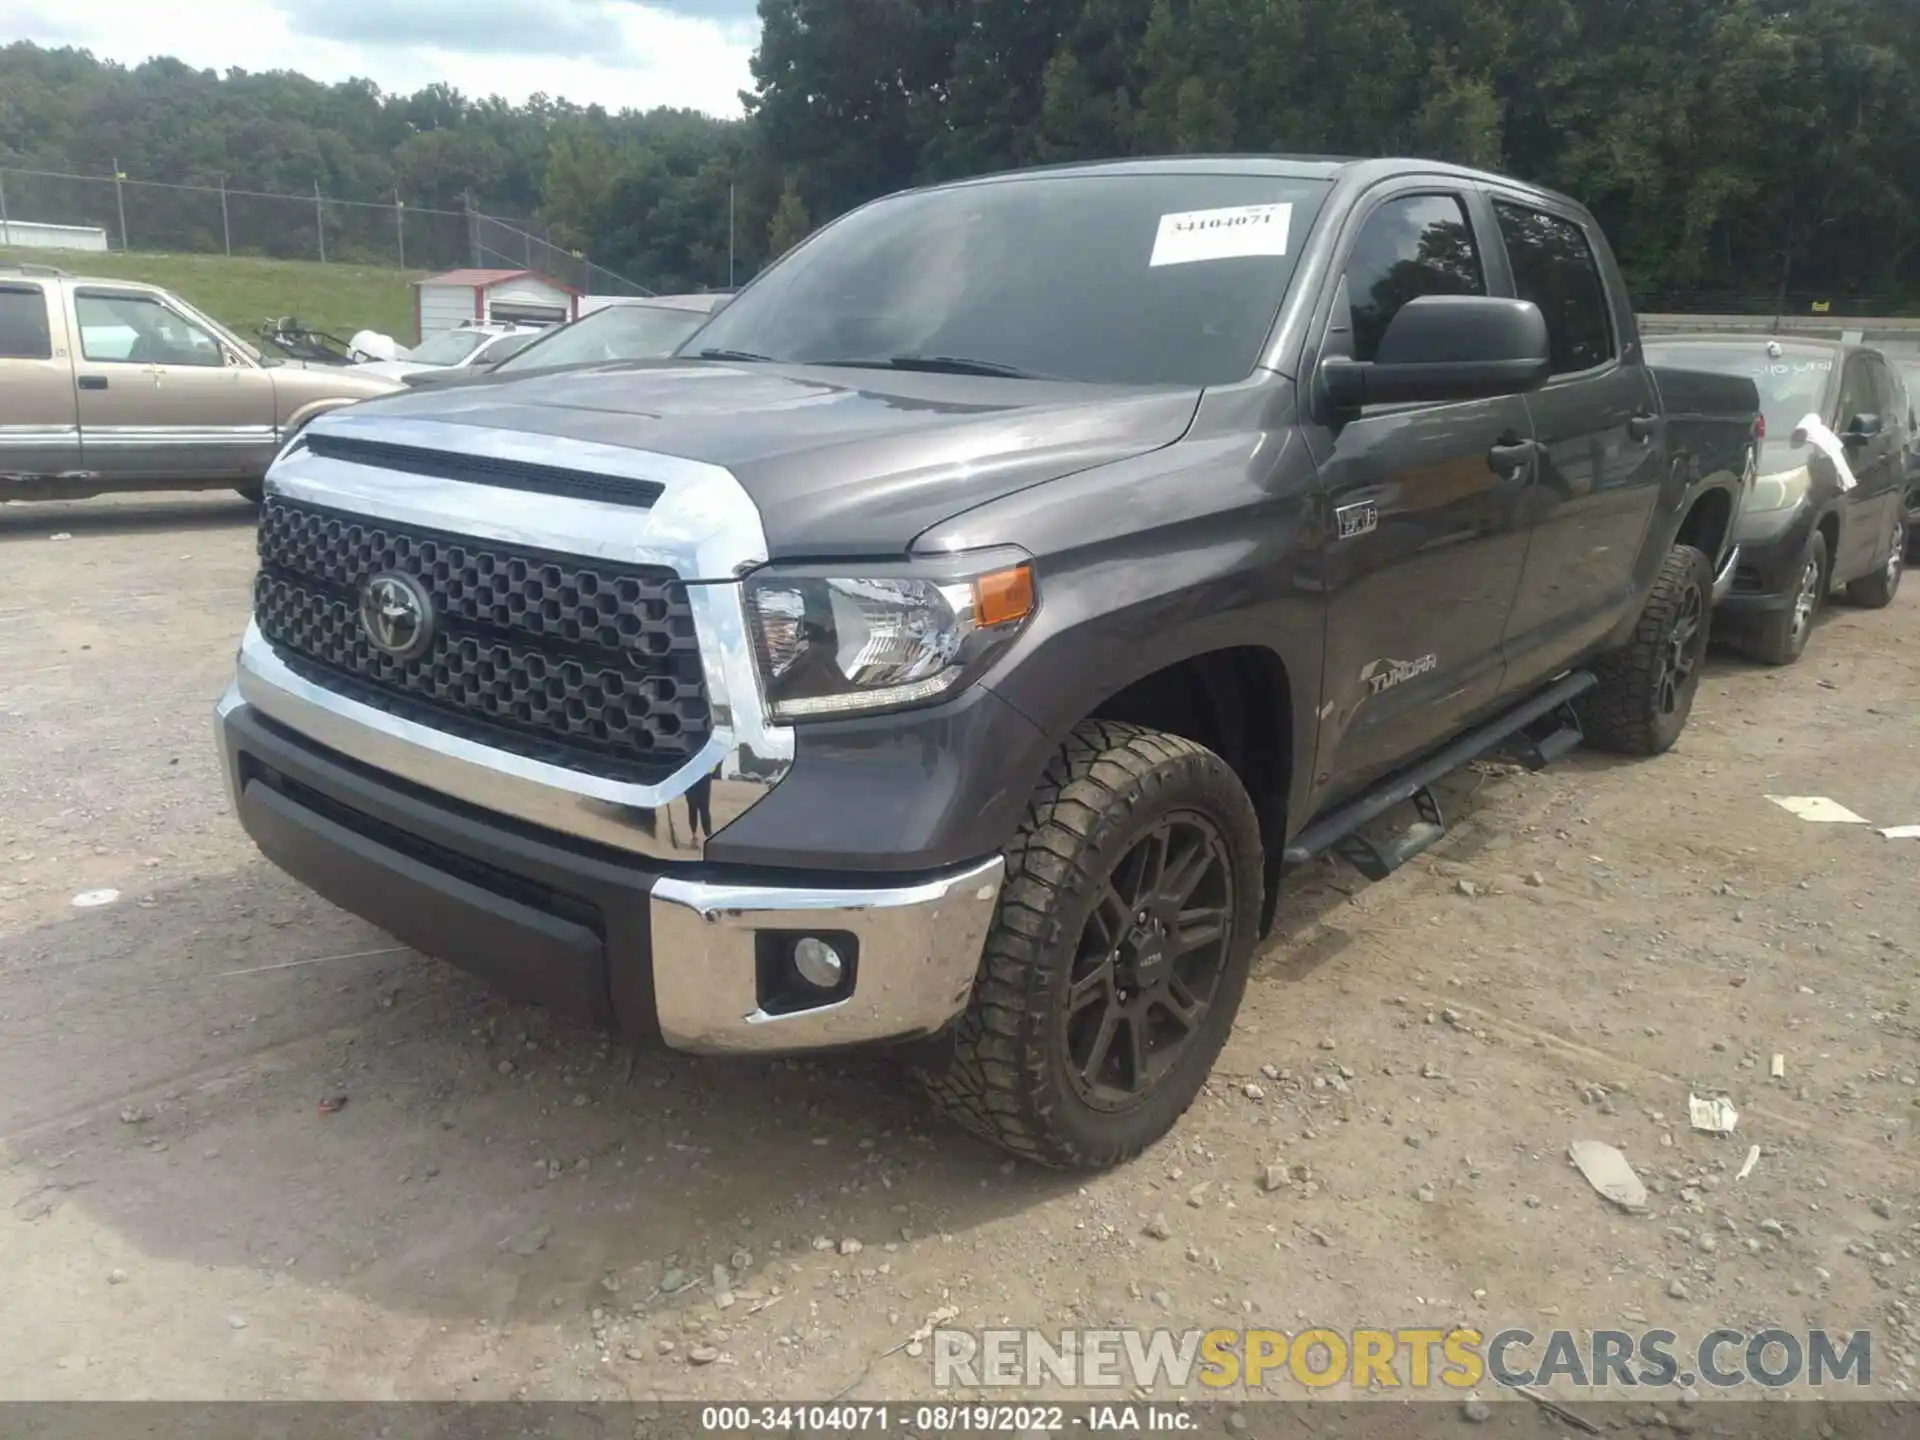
1554 266
1412 246
25 333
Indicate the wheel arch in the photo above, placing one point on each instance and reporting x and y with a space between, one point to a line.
1239 702
1828 528
1708 524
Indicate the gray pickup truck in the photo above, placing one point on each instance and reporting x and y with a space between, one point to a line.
958 647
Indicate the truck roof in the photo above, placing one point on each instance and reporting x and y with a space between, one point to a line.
1359 169
11 269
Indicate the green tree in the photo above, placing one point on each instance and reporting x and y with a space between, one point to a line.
1747 152
790 224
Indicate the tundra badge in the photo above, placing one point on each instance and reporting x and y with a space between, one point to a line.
1382 675
1359 519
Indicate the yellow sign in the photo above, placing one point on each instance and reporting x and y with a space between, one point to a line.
1821 307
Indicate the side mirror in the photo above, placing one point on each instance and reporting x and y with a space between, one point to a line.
1863 429
1447 347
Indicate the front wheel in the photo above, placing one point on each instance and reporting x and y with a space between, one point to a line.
1876 591
1646 687
1117 959
1782 635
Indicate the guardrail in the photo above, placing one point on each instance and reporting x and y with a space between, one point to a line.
1830 327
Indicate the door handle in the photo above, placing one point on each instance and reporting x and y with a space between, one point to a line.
1509 457
93 382
1641 427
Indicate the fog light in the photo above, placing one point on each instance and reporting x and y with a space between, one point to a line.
818 963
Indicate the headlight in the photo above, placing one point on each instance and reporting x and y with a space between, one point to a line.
838 646
1780 492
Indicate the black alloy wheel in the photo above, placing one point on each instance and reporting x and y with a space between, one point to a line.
1149 962
1686 647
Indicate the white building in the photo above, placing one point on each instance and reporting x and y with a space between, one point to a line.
442 302
33 235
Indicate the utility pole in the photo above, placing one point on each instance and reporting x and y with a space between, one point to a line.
320 221
400 225
120 198
729 235
473 228
6 230
226 230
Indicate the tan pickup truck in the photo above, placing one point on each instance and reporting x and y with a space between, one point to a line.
110 385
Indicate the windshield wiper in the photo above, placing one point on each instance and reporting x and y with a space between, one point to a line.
746 355
941 365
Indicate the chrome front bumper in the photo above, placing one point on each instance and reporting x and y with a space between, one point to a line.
709 943
918 950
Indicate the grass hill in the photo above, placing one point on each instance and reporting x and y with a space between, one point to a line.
241 291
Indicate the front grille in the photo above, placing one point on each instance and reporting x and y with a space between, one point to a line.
574 662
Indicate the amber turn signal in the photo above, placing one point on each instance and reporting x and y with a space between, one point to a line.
1003 597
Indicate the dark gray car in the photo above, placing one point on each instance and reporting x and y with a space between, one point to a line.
1909 374
623 329
1828 509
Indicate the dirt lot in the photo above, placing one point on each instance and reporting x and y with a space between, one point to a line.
504 1208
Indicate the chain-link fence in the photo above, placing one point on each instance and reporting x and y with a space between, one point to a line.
498 244
42 208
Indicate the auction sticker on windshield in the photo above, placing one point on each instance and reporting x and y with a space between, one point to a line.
1230 234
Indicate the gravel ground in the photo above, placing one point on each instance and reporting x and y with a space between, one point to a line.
509 1207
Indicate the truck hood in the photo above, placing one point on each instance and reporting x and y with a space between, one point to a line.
840 462
296 382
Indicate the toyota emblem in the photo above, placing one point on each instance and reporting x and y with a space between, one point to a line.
397 615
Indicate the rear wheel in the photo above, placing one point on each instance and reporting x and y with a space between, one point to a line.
1782 635
1119 955
1647 686
1877 590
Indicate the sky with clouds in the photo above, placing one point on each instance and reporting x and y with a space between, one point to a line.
617 53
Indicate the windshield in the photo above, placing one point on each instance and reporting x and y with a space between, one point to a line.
1164 279
619 332
449 347
1792 384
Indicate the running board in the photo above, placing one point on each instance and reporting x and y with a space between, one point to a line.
1544 742
1377 861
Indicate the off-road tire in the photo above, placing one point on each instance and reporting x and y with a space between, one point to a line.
1623 712
1876 591
1774 640
1006 1077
